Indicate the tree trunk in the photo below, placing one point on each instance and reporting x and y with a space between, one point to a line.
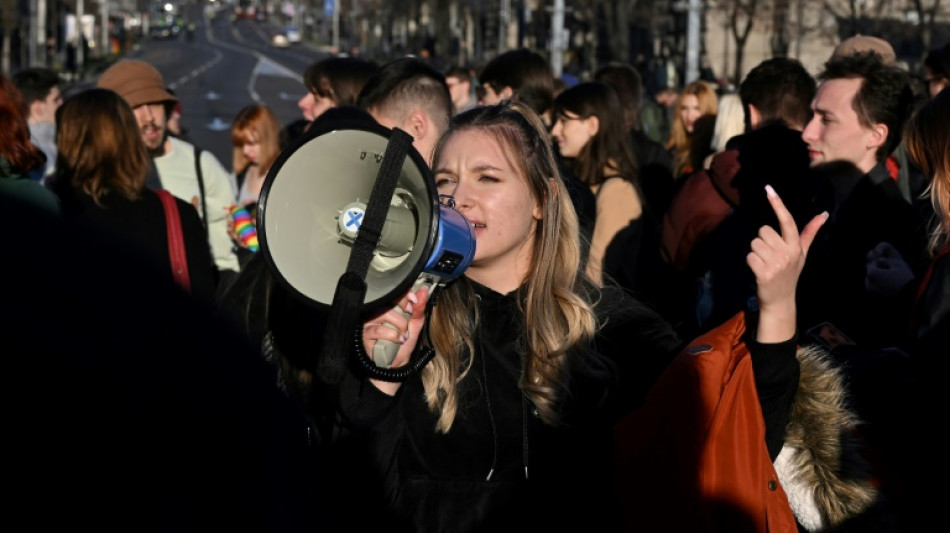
10 20
621 42
5 53
605 13
780 41
742 35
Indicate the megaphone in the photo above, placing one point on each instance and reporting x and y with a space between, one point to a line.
316 204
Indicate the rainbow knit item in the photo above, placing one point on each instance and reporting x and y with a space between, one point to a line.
244 228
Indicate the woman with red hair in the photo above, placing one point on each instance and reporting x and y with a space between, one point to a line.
21 163
256 137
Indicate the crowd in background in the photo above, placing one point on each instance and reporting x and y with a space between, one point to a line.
613 228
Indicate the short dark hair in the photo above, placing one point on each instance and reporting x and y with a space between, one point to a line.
406 82
938 61
527 73
628 84
781 89
36 83
339 78
885 96
460 72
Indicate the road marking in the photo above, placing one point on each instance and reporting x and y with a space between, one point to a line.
217 125
218 56
292 97
268 65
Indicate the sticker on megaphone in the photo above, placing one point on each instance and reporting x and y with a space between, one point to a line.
452 252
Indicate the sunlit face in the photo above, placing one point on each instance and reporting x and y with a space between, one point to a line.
488 96
690 112
151 121
252 151
834 132
494 196
572 133
313 105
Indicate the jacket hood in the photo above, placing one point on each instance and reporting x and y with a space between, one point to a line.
829 482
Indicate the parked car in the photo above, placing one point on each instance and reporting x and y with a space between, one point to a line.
293 34
163 31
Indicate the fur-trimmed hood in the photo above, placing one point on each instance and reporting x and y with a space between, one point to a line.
822 467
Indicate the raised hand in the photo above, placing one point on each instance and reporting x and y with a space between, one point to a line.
777 260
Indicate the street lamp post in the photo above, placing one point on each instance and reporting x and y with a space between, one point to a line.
336 25
104 13
504 8
557 37
692 40
80 36
41 32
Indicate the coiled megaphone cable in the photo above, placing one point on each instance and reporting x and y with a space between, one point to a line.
419 358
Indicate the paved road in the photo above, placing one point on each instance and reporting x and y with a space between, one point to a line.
226 66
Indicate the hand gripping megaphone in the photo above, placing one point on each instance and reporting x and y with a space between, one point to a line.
350 219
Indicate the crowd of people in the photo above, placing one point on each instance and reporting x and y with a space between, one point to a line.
731 324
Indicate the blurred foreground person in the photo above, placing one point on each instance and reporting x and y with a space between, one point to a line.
146 413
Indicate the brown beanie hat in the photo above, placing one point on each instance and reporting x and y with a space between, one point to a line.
137 82
866 43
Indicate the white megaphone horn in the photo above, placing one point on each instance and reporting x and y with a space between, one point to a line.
355 198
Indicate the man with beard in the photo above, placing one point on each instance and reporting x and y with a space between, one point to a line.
183 169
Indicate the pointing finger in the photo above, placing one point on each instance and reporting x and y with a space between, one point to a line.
786 223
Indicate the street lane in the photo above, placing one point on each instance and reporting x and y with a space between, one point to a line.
226 66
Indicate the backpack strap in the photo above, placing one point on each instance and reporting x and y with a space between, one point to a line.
176 241
201 189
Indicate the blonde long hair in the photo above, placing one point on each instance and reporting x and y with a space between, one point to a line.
730 121
679 138
556 300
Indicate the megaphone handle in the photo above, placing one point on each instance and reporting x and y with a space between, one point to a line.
385 351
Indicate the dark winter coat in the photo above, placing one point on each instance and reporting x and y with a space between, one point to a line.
141 224
500 466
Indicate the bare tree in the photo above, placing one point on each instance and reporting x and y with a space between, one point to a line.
617 16
9 21
926 17
781 28
585 12
741 16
